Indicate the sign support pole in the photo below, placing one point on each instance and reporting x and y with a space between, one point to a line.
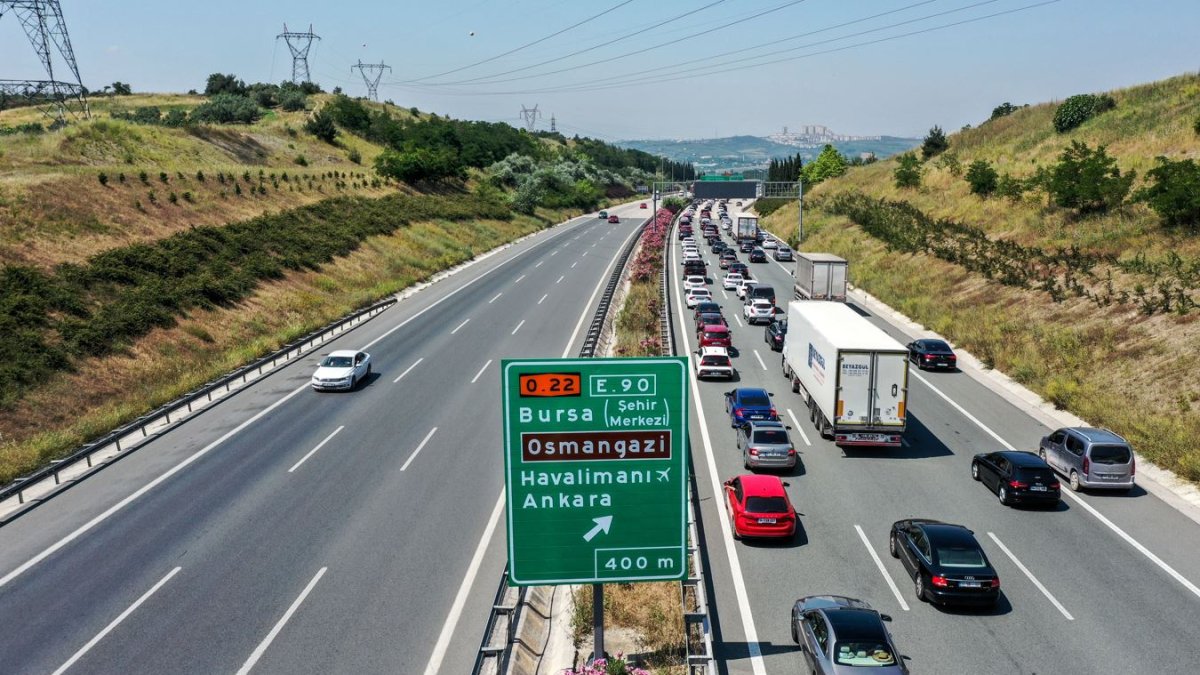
597 621
799 213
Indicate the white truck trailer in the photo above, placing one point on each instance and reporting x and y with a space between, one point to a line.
821 276
746 228
852 376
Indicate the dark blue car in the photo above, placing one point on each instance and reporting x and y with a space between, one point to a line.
747 403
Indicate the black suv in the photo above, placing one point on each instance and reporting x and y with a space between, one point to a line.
1017 477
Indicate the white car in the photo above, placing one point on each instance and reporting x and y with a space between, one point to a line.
697 295
342 369
691 255
712 362
758 310
744 287
732 281
694 281
770 243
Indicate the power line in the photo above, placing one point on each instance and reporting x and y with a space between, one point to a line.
527 44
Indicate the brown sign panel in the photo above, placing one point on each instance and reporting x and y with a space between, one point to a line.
595 445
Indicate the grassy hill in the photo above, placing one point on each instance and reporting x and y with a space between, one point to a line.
1095 312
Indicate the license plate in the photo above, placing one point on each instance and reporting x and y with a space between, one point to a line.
942 365
969 584
1038 488
766 521
879 438
757 417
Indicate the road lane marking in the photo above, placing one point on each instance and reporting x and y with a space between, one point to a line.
473 379
739 583
262 646
459 326
319 446
574 264
739 320
583 254
554 252
518 327
1195 590
724 294
882 570
539 264
115 622
543 298
797 427
519 279
406 370
760 361
560 279
497 297
419 447
1053 600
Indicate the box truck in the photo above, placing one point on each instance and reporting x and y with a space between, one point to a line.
746 228
821 276
852 376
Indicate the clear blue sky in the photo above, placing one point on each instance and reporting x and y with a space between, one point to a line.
950 77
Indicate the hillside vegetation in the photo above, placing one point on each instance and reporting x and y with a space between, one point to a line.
1091 302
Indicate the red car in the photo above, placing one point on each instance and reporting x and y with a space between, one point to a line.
715 335
758 506
643 205
614 219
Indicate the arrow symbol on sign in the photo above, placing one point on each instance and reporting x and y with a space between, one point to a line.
602 523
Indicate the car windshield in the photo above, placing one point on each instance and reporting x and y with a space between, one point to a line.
701 293
715 361
766 505
958 556
337 362
771 437
863 654
755 398
1110 454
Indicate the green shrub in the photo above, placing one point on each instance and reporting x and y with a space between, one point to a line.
355 156
301 160
982 178
829 164
419 164
1008 186
935 143
1005 109
293 100
1088 180
103 178
227 109
1174 192
1196 126
1080 108
950 162
322 126
908 171
768 205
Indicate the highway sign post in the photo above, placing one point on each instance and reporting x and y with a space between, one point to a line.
595 470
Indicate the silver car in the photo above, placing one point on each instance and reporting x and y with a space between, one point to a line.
1090 458
766 445
844 635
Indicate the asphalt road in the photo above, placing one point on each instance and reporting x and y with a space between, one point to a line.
1079 594
289 531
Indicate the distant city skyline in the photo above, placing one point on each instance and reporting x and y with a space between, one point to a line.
639 69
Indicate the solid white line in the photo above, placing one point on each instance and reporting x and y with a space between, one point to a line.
760 361
497 297
739 583
1032 578
465 321
115 622
882 570
797 427
419 448
314 450
262 646
543 298
460 598
489 362
519 279
560 279
539 264
518 327
1195 590
406 370
574 264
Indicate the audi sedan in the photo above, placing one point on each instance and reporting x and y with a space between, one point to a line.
841 635
758 506
342 369
946 564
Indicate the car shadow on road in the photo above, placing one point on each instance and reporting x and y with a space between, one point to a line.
1002 607
1133 492
919 443
728 653
368 380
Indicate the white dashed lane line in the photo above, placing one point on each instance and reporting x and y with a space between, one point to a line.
1025 570
519 279
473 379
543 298
560 279
518 327
882 570
262 646
760 361
456 328
318 447
419 448
497 297
797 427
406 370
574 264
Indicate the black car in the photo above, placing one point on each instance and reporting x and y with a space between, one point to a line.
746 246
1016 477
710 318
774 333
695 268
705 308
758 256
945 562
739 267
718 246
934 354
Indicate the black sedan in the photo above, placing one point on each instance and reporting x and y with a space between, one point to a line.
705 308
746 246
840 635
945 562
758 256
1016 477
774 333
935 354
718 246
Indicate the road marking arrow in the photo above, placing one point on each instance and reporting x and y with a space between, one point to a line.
602 523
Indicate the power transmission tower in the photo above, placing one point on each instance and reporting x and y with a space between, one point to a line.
553 124
43 23
299 44
372 80
531 116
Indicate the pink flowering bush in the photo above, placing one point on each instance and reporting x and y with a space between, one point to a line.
616 666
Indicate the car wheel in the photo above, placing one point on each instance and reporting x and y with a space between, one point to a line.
919 587
1074 479
1002 493
974 471
893 548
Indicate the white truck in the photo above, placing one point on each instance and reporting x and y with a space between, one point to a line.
821 276
746 228
852 376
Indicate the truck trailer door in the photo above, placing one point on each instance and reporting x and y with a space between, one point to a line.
889 404
853 406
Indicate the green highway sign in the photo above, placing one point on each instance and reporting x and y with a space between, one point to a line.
595 469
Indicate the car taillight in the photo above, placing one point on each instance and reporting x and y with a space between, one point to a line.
738 412
1017 485
928 357
754 452
1132 466
1055 485
773 413
791 451
1087 465
995 583
939 581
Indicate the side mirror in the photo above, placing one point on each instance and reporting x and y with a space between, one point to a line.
770 393
787 427
885 617
786 483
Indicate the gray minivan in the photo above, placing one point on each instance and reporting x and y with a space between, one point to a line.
1090 458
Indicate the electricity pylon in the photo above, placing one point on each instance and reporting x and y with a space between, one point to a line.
299 44
530 115
372 79
45 27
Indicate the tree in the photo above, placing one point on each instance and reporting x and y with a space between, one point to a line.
321 125
226 109
292 100
121 89
1003 110
908 171
224 84
982 177
418 163
1174 192
1088 180
829 164
1080 108
935 143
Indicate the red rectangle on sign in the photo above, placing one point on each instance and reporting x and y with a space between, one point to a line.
595 445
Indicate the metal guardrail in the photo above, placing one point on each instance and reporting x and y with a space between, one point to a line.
597 327
134 434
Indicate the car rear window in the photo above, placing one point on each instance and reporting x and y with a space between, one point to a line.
863 654
766 505
716 335
958 556
1035 475
936 346
714 361
755 399
771 436
1110 454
